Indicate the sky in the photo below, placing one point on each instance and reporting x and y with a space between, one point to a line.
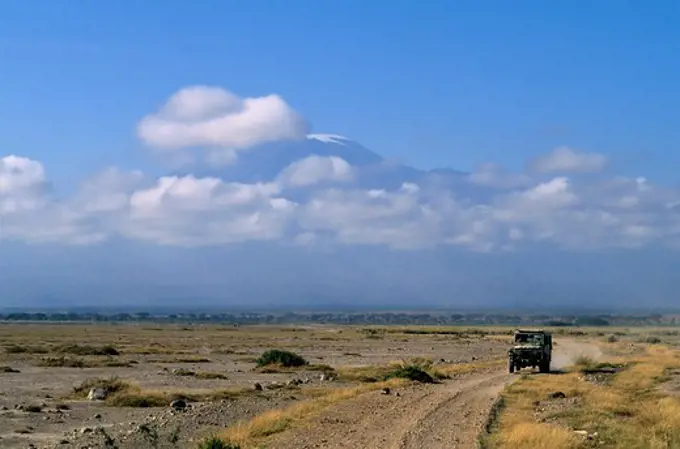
134 136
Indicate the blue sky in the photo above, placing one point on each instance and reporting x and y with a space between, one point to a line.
436 84
431 85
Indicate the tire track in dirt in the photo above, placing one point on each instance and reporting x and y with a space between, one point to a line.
448 415
456 422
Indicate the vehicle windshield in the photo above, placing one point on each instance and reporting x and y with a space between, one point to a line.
529 339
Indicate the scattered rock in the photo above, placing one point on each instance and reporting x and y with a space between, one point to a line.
179 405
97 394
85 430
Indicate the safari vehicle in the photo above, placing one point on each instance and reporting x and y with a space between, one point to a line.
531 348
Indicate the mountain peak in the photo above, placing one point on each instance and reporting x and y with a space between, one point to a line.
328 138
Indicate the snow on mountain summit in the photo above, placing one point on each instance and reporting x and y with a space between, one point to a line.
328 138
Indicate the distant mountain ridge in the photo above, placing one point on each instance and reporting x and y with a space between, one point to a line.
264 162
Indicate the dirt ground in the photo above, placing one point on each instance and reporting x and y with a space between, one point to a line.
38 408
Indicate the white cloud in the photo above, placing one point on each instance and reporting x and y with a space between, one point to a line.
492 175
191 211
28 213
315 169
584 213
205 116
567 160
20 174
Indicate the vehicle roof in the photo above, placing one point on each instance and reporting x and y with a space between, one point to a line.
531 331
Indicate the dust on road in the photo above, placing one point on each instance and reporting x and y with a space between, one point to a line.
567 352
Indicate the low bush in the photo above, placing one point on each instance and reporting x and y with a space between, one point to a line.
216 443
282 358
411 372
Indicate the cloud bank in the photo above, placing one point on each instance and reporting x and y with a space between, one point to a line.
492 210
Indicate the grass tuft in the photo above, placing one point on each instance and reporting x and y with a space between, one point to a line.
8 369
76 349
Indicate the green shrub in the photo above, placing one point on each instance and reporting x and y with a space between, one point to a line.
216 443
411 372
279 357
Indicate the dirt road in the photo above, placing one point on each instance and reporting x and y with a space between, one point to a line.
448 415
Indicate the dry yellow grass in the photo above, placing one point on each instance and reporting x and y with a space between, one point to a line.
538 435
627 411
466 368
249 434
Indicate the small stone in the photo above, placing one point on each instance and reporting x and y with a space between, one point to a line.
85 430
385 390
97 394
98 416
258 386
178 404
558 395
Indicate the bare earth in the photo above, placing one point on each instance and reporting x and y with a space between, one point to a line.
420 417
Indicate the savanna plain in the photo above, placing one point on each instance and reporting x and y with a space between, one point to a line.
144 385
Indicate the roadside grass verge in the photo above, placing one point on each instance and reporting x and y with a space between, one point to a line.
251 433
614 404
